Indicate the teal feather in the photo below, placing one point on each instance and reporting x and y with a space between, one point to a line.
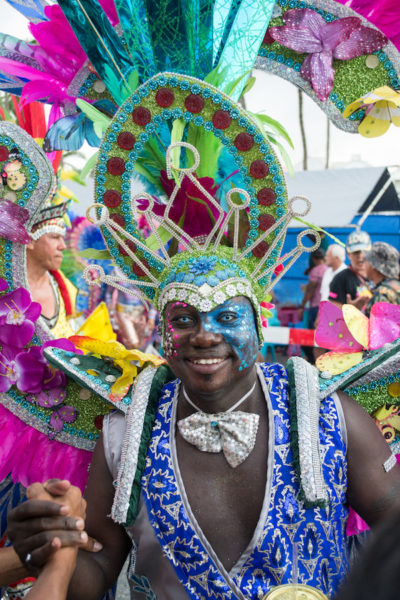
223 17
241 44
100 42
134 21
168 35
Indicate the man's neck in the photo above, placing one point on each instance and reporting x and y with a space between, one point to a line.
336 267
37 275
223 400
377 277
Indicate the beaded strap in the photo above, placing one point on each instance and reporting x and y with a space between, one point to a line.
304 409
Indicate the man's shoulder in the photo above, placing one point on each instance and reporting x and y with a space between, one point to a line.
343 275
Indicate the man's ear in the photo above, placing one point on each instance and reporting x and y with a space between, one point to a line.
31 245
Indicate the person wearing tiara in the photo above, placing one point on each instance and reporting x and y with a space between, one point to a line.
47 284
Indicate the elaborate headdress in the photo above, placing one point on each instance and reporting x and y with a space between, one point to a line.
203 248
28 187
219 228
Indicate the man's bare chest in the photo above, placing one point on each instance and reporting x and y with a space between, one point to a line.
225 502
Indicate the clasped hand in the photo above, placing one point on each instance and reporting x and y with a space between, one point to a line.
53 517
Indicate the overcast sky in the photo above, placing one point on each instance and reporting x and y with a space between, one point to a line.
279 99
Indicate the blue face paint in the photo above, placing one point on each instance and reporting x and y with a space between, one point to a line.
234 320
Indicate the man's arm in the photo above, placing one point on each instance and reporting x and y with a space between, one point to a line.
372 491
11 568
96 573
54 578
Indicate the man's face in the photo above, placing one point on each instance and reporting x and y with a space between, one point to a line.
210 351
357 261
47 251
329 259
368 269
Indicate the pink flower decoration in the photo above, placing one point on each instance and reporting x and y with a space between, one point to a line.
12 222
52 398
23 368
3 285
307 31
17 317
61 415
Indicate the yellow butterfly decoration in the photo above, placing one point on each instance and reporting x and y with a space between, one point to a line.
131 362
382 108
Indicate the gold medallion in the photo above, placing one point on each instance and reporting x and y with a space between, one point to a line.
293 591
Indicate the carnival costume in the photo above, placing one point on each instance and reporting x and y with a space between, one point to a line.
171 83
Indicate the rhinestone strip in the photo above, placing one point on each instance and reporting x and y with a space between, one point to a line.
381 371
130 447
186 292
308 408
23 413
390 463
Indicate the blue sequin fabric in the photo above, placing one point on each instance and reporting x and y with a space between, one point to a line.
292 543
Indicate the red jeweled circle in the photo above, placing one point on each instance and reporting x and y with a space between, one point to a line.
165 97
244 142
194 103
265 222
115 165
266 196
119 219
126 140
4 153
141 115
258 169
221 119
112 198
260 249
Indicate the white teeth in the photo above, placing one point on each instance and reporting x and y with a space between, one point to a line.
208 361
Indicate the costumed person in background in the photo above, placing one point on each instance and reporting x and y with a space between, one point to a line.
48 423
135 321
350 285
382 269
335 261
47 284
83 238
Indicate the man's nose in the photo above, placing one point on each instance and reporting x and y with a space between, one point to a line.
204 336
62 245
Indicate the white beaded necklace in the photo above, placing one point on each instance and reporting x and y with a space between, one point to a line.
232 408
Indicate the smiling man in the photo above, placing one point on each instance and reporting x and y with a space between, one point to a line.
211 497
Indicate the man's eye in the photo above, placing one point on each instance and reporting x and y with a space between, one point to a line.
183 320
227 318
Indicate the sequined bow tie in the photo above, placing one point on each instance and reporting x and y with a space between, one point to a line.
233 433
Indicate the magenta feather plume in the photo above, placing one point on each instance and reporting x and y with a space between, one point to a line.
384 14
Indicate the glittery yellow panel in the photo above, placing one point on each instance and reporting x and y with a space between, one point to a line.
357 323
394 389
337 362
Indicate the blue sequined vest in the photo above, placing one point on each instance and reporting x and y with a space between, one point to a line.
294 543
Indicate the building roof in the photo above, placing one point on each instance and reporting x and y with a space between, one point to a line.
338 195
